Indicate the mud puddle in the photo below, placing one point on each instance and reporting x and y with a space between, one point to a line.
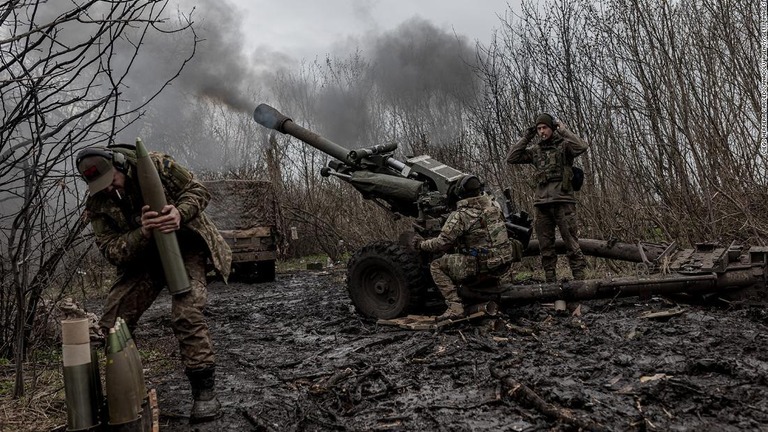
294 356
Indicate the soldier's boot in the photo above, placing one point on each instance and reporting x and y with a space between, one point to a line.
550 276
206 406
454 309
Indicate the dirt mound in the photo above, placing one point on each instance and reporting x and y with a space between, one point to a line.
293 355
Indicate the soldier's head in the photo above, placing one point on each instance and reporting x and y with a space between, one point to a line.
545 126
469 186
103 169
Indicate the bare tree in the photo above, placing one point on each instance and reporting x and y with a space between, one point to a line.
667 95
64 67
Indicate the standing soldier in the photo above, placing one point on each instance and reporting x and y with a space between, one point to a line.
477 233
123 226
555 202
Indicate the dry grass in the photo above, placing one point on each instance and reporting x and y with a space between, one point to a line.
43 406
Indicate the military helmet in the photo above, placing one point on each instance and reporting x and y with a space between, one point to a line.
469 186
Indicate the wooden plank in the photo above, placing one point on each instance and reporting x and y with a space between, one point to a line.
155 410
261 231
426 322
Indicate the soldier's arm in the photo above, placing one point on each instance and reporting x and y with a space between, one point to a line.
451 231
572 143
518 154
118 248
191 196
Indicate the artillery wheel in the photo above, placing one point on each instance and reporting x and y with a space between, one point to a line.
384 280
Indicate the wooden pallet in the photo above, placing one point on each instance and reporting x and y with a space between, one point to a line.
426 322
155 410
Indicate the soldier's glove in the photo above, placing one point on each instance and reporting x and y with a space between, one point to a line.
416 242
530 132
410 240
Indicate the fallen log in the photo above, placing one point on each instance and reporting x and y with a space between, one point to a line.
526 396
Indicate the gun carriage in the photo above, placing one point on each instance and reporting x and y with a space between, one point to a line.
387 279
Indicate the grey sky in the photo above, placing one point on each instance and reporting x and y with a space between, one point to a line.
243 39
305 29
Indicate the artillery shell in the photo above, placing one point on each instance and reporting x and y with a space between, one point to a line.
167 244
121 384
79 386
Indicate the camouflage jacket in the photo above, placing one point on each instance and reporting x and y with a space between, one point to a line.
553 161
475 228
117 223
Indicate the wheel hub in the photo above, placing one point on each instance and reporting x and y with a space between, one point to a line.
380 287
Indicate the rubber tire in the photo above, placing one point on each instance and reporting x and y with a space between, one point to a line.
385 281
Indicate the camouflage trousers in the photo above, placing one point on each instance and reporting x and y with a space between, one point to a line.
135 290
450 269
563 217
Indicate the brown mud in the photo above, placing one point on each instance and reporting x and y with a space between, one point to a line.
294 356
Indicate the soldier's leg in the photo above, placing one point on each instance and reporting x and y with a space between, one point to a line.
129 297
545 224
441 269
566 221
505 274
191 330
189 323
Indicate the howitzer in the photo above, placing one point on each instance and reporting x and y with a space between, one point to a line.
386 279
419 187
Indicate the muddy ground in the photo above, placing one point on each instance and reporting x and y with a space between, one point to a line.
294 355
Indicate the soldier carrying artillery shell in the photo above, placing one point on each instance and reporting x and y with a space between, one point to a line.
129 232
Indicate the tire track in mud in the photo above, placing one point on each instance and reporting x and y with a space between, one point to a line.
293 355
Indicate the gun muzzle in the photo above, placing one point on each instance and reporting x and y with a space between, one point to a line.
271 118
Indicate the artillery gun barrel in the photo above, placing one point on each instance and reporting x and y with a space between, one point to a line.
605 249
631 286
377 149
271 118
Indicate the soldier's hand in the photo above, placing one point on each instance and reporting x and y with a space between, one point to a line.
416 241
410 240
530 132
146 221
166 221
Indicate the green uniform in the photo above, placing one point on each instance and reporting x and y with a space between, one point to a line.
554 202
478 235
117 226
